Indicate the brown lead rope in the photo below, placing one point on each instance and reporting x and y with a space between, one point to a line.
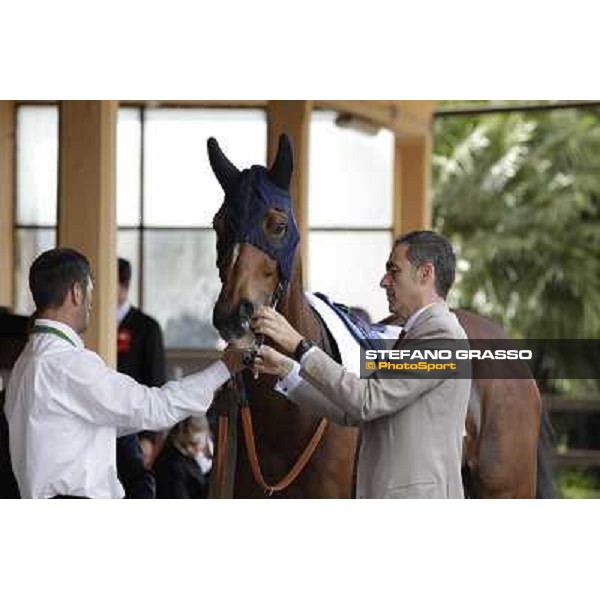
303 459
249 430
221 457
296 469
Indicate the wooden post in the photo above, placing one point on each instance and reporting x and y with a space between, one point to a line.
7 177
87 207
412 184
293 117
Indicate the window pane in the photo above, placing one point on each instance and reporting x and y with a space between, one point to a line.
351 175
129 147
181 285
128 247
37 165
30 244
348 267
180 188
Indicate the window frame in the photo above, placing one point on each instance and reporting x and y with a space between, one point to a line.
141 228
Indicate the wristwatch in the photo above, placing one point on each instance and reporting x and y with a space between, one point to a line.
302 348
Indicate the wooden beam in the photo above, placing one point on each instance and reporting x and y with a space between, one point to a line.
576 459
412 184
196 103
293 117
171 103
557 403
404 118
87 211
7 176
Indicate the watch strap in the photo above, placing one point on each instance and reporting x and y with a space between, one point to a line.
302 348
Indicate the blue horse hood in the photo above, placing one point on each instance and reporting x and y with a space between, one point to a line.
245 209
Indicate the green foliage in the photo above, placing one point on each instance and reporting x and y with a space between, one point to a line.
518 194
578 484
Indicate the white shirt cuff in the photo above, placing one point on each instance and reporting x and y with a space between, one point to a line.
288 383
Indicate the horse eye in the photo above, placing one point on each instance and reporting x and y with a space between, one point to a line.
275 225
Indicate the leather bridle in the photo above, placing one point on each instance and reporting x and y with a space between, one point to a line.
239 389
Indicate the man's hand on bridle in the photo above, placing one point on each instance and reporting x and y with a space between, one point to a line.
271 362
268 322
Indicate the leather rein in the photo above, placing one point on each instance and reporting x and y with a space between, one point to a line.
249 439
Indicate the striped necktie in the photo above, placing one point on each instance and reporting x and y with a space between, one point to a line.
399 340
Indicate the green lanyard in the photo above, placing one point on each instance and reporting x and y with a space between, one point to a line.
53 331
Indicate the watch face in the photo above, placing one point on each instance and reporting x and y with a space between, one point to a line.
302 348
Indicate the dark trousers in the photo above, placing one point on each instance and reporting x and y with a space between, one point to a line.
61 497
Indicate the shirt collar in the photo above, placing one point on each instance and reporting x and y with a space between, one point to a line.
63 328
123 310
410 322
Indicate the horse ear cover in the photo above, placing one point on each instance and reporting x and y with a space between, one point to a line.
280 172
225 171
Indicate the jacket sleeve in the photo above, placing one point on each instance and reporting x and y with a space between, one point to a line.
138 482
365 399
98 394
172 484
308 397
154 364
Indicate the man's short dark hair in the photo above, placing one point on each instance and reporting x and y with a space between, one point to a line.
124 271
54 272
429 246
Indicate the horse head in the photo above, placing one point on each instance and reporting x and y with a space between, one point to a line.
257 236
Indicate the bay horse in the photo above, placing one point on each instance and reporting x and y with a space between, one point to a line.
506 449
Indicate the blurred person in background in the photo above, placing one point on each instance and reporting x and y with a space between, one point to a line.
182 470
141 355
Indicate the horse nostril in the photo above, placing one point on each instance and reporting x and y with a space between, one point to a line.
228 326
236 324
220 321
246 309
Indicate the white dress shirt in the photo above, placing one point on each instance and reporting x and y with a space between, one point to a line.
122 311
410 322
65 408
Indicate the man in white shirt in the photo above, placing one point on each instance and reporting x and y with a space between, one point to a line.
65 406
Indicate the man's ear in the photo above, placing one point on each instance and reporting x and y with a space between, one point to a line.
77 294
427 272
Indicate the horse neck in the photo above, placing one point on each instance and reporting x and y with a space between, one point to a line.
295 307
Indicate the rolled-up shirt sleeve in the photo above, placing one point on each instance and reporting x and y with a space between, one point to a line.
99 394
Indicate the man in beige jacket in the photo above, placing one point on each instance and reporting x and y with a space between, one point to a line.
411 442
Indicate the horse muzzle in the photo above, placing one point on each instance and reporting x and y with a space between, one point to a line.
234 325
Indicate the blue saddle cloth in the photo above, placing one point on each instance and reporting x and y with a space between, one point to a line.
370 336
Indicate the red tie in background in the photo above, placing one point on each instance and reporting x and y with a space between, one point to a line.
124 341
